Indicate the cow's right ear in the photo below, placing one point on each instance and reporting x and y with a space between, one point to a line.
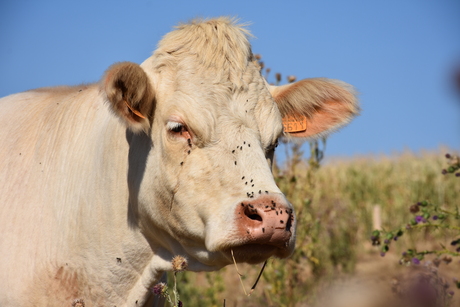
130 94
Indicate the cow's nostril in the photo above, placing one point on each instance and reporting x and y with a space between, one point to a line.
255 217
251 213
289 222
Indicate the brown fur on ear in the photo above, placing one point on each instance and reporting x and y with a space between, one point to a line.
326 104
130 94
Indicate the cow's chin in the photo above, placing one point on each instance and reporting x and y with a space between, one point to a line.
257 253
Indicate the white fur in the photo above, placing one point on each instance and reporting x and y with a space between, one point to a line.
94 211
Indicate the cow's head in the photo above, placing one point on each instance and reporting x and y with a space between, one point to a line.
203 127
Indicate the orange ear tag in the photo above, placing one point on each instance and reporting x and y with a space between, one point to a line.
295 123
134 111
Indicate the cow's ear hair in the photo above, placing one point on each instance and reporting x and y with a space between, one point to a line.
313 108
130 94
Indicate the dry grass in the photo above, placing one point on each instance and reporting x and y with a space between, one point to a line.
334 257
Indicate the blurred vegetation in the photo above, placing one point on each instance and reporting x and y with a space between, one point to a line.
334 206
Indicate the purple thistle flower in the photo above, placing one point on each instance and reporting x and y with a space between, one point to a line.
419 219
159 288
415 260
382 254
435 217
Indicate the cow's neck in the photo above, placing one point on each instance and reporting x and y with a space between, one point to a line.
109 246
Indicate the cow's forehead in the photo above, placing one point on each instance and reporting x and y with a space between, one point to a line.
215 111
210 76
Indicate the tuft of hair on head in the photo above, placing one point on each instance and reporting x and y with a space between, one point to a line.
219 46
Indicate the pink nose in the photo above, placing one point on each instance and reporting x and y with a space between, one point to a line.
265 220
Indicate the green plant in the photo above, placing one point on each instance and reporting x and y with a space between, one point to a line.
179 264
428 217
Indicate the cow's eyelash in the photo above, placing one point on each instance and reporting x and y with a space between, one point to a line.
175 127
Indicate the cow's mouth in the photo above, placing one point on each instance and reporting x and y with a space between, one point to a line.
257 253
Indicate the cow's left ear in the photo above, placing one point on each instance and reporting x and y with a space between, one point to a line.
312 108
130 94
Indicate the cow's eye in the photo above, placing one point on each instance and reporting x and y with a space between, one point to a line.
178 130
176 127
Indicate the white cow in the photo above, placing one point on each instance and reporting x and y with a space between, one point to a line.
103 184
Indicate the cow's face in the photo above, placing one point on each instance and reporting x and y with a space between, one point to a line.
208 124
211 153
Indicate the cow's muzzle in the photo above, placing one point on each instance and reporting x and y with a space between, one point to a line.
266 227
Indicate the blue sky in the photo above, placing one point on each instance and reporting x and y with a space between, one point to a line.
400 55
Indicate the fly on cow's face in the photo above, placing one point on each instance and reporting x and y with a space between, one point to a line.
179 130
